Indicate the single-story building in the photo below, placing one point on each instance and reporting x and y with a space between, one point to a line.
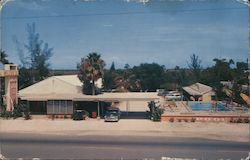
198 92
229 85
63 95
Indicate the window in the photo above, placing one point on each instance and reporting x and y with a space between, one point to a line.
59 107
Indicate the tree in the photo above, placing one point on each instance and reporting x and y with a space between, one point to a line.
35 65
151 76
127 66
109 77
126 80
222 69
195 66
112 68
241 74
155 111
3 57
90 70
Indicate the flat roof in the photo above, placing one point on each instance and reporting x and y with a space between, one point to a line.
110 97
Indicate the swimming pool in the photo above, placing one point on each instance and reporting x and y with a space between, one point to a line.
205 106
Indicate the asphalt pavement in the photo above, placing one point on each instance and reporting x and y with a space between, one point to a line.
46 146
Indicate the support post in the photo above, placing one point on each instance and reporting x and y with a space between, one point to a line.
98 110
102 109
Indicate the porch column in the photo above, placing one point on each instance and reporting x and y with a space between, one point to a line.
98 110
102 109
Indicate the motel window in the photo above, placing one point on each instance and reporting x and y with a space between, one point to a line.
56 107
59 107
63 106
50 107
70 109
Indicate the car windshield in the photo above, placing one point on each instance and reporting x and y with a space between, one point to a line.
111 113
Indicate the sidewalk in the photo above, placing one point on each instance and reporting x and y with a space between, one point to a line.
129 127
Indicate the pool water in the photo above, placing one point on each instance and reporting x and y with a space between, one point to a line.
201 106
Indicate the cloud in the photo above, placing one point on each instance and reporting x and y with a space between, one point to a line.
36 5
107 25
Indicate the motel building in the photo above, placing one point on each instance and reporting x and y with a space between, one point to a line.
62 95
199 92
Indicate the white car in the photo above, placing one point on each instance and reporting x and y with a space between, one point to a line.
173 96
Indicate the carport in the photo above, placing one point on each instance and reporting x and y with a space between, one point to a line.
127 97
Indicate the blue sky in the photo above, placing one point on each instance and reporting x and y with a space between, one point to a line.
162 31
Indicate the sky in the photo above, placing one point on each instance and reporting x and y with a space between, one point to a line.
166 32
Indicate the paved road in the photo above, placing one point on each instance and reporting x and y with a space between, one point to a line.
117 147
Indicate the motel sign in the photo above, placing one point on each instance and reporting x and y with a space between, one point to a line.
9 74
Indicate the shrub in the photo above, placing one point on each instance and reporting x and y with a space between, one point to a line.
231 120
193 119
246 120
155 111
185 120
17 111
239 120
179 120
27 116
6 114
25 109
171 120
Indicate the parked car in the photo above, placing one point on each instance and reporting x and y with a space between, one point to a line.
173 95
80 115
112 114
161 92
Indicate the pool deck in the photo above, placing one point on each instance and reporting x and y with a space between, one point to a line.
182 112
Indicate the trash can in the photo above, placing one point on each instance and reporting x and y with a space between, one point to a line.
93 115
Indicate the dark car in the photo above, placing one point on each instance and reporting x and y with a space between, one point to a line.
80 114
112 114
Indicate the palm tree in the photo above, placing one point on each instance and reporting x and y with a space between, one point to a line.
90 70
3 57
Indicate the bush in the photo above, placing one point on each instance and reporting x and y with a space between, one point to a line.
246 120
193 119
171 120
27 116
185 120
25 110
231 120
155 111
179 120
239 120
17 111
6 114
